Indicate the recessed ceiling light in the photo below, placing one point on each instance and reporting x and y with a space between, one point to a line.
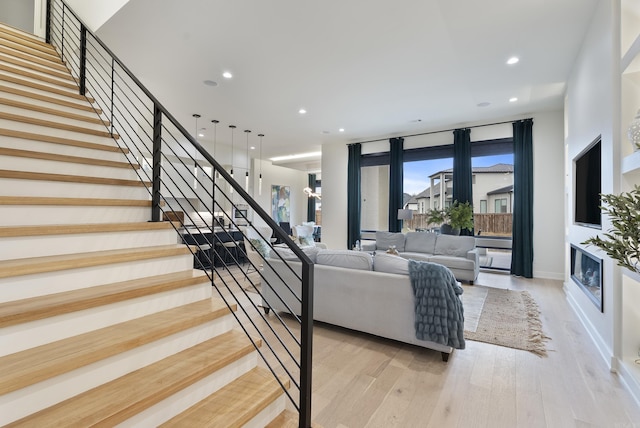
252 147
302 111
513 60
341 130
227 75
210 83
513 99
484 104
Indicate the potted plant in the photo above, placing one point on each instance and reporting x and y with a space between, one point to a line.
452 219
622 241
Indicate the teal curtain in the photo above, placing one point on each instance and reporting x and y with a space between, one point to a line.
462 173
522 246
353 194
396 160
311 202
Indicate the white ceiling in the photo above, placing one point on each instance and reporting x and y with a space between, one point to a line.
376 68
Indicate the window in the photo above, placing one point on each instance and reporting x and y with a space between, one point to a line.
501 205
483 206
374 208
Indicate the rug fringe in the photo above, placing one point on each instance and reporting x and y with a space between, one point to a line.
536 335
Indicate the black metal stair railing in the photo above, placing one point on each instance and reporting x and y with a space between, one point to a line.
211 212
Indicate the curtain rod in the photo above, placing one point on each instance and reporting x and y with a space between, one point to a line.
439 132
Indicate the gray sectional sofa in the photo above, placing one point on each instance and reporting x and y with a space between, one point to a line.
352 289
458 253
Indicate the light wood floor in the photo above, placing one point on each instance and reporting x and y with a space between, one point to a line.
364 381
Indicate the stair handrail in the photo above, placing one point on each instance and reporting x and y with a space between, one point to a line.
306 318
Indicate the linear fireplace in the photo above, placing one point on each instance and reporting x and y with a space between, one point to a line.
586 271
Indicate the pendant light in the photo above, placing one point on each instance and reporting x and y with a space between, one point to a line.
216 174
233 127
260 179
246 174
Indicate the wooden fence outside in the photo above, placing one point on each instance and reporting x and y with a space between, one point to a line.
486 224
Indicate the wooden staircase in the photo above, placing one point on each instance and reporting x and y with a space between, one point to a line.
103 320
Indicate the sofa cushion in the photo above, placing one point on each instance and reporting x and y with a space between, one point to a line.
346 259
386 239
261 246
450 245
383 262
422 257
453 262
283 253
420 242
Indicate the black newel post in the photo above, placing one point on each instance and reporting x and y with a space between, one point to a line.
157 147
306 346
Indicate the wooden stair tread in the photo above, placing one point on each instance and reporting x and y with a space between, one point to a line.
287 419
48 54
67 229
48 99
45 62
21 34
40 200
34 45
65 158
31 75
33 265
56 125
45 88
60 140
34 365
36 67
52 111
27 175
233 405
118 400
36 308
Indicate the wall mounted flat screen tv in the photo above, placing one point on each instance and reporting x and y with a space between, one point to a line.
588 179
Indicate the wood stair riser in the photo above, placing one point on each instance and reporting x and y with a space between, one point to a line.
17 187
35 49
65 150
181 401
50 245
43 88
28 215
47 115
27 164
28 286
36 333
44 394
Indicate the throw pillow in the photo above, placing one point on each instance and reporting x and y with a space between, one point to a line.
261 246
384 240
306 241
456 246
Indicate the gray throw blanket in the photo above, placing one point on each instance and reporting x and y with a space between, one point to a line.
438 309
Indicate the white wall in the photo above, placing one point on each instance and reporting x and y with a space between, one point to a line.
18 14
277 175
548 243
94 13
589 104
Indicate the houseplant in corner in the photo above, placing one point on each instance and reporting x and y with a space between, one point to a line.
452 219
622 241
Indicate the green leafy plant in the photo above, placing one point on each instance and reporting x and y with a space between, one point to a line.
461 215
622 241
458 216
